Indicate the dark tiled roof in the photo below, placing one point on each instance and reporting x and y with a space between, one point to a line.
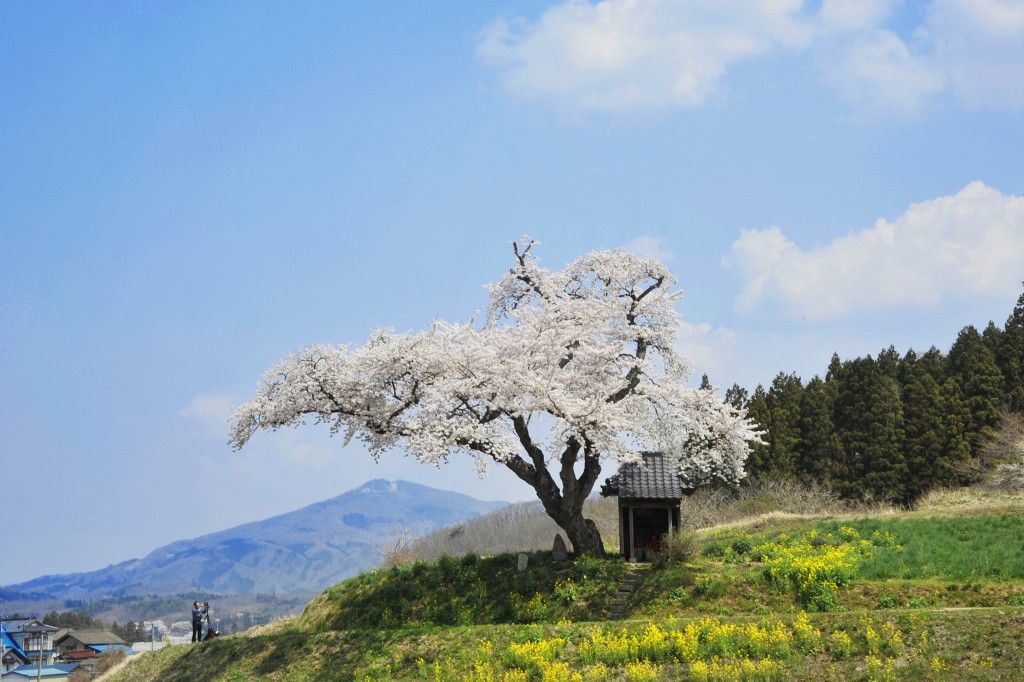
93 636
657 478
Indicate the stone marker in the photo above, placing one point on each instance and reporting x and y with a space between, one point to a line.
558 550
523 559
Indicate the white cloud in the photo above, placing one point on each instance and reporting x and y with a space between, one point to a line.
650 247
970 50
288 446
212 412
853 15
968 244
876 72
711 350
748 356
626 57
288 450
979 44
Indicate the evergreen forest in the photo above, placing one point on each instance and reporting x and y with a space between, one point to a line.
891 427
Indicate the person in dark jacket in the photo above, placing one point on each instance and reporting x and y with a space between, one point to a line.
198 612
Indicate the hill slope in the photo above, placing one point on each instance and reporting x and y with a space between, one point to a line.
930 596
302 551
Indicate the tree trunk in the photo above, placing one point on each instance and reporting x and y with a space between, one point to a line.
564 505
583 535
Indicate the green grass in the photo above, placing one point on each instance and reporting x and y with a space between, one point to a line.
959 549
937 598
470 591
941 645
950 548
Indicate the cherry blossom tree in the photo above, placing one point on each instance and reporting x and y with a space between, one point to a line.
568 368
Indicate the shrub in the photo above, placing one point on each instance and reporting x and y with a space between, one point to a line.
808 637
533 610
742 546
677 547
567 591
709 588
679 596
756 506
586 568
394 548
841 645
1000 462
80 675
713 505
715 548
887 601
109 659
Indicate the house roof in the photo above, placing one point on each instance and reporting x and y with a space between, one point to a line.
80 654
102 648
12 654
47 671
655 478
15 625
31 625
92 637
11 649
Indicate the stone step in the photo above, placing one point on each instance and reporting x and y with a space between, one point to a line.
624 591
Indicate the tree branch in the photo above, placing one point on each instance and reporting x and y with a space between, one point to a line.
591 472
567 472
547 489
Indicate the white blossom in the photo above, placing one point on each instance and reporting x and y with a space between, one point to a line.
568 366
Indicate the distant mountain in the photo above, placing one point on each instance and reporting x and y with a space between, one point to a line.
303 551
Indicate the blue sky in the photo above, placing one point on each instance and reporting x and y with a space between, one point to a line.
189 191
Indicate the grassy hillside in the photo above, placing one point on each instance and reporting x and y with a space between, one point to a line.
931 594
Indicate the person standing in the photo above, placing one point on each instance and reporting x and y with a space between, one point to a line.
197 622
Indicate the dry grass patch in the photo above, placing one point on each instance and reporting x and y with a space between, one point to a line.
969 502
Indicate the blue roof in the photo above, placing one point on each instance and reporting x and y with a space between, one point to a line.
111 647
31 671
10 644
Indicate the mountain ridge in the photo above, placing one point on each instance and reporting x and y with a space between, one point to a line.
302 551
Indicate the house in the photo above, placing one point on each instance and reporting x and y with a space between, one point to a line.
84 647
11 654
92 639
650 493
30 639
